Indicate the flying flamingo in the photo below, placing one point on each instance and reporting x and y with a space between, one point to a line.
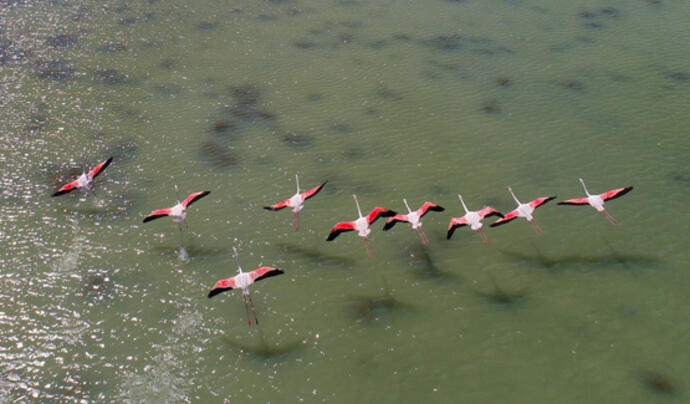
473 219
597 201
296 202
360 224
414 218
85 179
243 280
524 210
177 212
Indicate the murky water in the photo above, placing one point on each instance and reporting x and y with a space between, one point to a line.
389 100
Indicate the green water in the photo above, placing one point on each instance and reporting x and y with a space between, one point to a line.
388 100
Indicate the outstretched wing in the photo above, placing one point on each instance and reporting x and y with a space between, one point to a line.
575 201
278 206
512 215
156 214
265 272
99 168
427 206
379 212
395 219
455 222
194 197
489 211
222 285
67 188
540 201
615 193
340 228
308 194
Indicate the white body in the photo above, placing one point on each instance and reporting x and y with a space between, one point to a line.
84 182
472 218
412 216
243 280
524 210
296 202
362 226
595 201
178 212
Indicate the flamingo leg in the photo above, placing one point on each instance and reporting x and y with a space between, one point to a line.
246 308
366 245
611 219
483 236
535 226
251 303
422 235
179 226
295 221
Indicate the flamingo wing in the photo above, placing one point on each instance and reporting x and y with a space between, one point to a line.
194 197
99 168
265 272
340 228
67 188
575 201
156 214
615 193
427 206
278 206
308 194
489 211
395 219
222 285
512 215
540 201
455 222
379 212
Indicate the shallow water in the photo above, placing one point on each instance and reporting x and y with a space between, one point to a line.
386 100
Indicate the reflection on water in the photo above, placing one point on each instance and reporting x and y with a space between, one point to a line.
423 99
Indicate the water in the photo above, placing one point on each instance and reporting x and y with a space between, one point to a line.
387 100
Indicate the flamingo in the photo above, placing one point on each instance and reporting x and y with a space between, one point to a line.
414 218
473 219
243 280
360 224
524 210
296 202
85 179
597 201
177 212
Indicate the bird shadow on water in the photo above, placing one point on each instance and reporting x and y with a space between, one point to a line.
609 260
658 384
423 264
318 257
372 308
263 349
500 295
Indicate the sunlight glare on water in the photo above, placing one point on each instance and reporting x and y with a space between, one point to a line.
421 100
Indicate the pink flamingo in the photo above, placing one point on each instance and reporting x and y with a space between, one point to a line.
597 201
473 219
243 280
177 212
414 218
85 179
296 202
360 224
524 210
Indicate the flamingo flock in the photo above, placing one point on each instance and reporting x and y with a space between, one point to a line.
362 224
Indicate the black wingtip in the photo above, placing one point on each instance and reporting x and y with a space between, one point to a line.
217 291
389 225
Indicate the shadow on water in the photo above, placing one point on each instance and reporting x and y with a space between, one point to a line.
316 256
599 261
368 308
264 350
500 295
192 251
423 263
658 384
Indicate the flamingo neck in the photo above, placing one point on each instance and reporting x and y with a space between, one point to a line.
177 193
463 203
237 256
514 197
407 206
584 186
297 180
359 211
